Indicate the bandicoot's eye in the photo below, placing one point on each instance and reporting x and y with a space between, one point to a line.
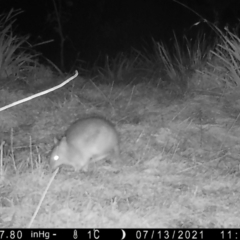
56 157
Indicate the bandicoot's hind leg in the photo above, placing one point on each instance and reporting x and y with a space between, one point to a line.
97 158
115 156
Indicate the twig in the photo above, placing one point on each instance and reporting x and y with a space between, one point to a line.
42 198
41 93
1 159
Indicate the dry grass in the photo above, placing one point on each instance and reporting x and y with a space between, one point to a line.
179 164
13 61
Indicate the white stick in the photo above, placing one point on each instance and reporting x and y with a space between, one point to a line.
42 198
41 93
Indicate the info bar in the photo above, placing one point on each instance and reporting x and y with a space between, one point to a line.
119 234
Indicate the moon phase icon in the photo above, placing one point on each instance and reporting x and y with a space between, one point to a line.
123 234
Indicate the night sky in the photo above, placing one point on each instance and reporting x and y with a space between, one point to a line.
95 28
